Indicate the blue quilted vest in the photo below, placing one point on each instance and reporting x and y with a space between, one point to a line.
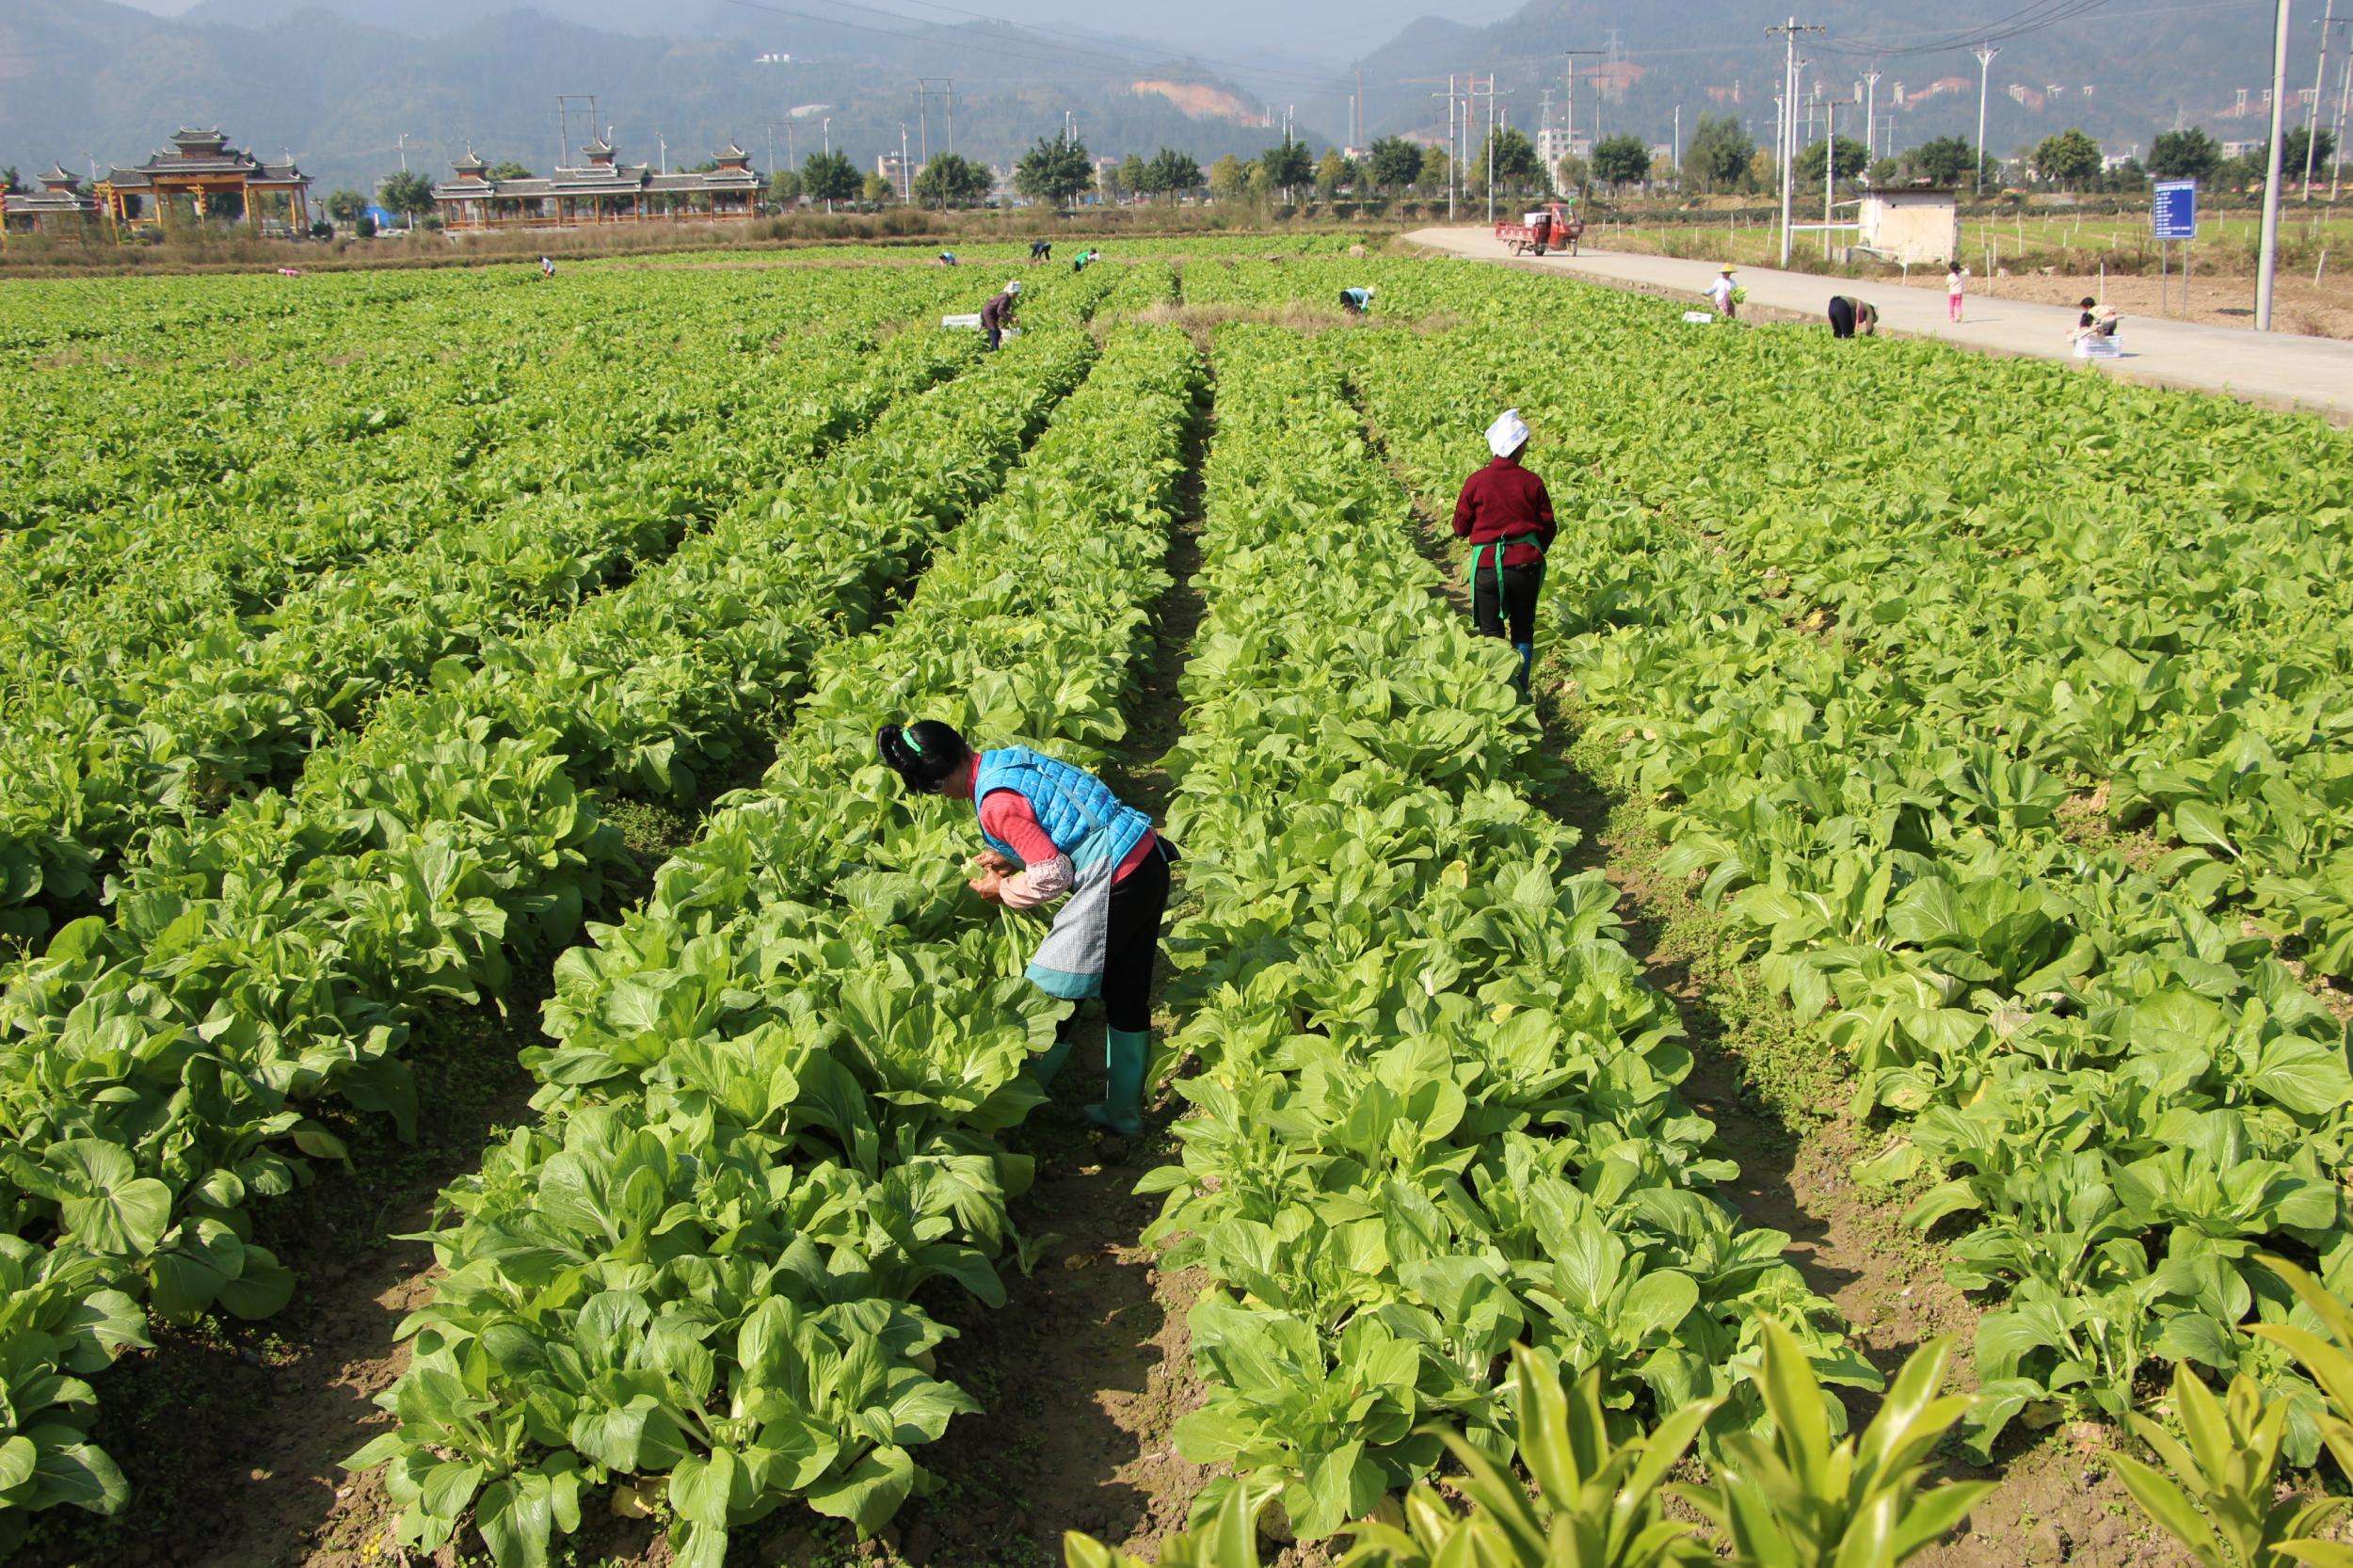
1078 810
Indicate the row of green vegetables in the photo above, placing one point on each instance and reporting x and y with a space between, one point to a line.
89 769
773 1094
1437 1110
2096 1061
155 1067
490 404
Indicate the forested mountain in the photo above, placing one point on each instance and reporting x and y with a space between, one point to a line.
2122 71
89 79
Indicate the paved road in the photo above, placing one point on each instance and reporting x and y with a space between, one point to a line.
2280 370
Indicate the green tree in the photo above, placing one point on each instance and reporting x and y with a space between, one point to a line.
1288 165
1333 173
345 205
12 182
1717 157
2190 154
2070 158
1171 174
1229 179
1571 172
409 195
784 187
1054 171
1621 160
2293 145
830 177
1850 159
878 192
1514 161
952 180
1885 171
1435 171
1943 161
510 169
1396 164
229 206
1135 175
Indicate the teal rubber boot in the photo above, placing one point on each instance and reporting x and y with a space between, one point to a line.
1124 1058
1528 663
1046 1067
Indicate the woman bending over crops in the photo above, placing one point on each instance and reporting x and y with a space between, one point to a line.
1053 831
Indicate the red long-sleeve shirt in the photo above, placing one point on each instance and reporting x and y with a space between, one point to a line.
1504 501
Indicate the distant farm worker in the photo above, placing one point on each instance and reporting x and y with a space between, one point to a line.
1719 294
1052 832
1956 276
997 313
1041 250
1355 301
2087 322
947 258
1848 314
1085 259
1506 513
546 266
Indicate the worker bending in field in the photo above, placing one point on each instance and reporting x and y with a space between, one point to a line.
1355 301
1848 315
1053 831
1041 250
1506 513
997 313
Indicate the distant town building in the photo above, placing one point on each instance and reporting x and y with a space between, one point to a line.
602 189
201 168
61 205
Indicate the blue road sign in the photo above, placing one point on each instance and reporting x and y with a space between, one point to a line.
2175 215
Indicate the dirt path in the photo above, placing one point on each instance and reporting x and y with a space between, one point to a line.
1085 1371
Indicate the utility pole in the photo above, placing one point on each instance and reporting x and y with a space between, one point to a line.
906 182
2269 253
1985 53
1830 166
1676 157
2345 93
1788 31
1870 116
2320 75
1450 147
403 152
1570 112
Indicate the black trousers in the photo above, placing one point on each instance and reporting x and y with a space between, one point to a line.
1841 318
1131 945
996 337
1510 605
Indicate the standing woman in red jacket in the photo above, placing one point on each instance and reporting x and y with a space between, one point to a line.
1507 515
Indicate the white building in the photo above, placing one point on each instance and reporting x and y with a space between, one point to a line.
1916 226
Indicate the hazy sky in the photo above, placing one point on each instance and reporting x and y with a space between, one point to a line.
1335 30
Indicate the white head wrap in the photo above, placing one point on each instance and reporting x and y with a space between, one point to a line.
1013 287
1508 434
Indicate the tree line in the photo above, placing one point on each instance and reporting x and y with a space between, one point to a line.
1719 158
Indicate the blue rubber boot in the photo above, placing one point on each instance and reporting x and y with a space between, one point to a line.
1528 663
1125 1054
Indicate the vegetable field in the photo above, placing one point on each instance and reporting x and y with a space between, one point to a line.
465 673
